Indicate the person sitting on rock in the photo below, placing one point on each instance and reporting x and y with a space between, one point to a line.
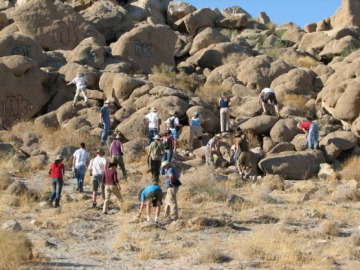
311 130
268 95
173 124
151 195
81 82
243 162
209 150
195 130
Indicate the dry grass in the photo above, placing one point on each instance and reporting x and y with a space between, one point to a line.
15 250
164 75
210 93
297 101
351 170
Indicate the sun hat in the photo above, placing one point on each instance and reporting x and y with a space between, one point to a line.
107 101
172 112
117 137
157 137
80 74
99 151
153 109
218 135
164 163
58 157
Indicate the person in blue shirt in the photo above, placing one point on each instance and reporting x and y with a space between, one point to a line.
151 194
195 130
105 121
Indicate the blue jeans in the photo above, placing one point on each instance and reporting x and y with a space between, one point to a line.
56 187
79 176
105 132
151 134
167 156
313 137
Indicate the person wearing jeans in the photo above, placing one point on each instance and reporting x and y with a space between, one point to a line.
56 173
152 122
311 130
169 148
80 163
105 121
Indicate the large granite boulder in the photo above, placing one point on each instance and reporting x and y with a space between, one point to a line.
23 92
347 15
17 44
259 124
177 10
146 45
207 37
284 130
53 24
335 142
204 17
293 165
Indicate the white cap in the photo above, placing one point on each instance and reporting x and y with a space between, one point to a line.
107 101
157 137
164 163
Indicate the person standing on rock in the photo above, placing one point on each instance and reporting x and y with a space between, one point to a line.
56 172
155 153
152 122
81 82
311 130
195 130
111 183
105 121
151 195
116 154
173 124
224 104
97 168
172 184
209 150
79 164
268 95
243 162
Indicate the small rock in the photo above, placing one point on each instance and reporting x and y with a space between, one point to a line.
47 225
49 244
17 188
11 225
128 246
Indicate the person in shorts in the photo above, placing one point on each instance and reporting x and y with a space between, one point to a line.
173 124
267 95
97 168
195 130
151 195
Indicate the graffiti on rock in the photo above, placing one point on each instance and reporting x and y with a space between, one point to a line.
143 49
16 106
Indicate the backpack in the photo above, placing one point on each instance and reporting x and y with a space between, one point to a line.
172 122
157 150
167 143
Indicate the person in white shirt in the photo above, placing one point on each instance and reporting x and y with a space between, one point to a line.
81 81
266 95
152 121
79 164
97 167
173 124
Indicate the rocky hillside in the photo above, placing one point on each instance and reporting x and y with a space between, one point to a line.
169 55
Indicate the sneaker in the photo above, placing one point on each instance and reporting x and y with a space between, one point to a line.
94 204
78 188
105 213
247 176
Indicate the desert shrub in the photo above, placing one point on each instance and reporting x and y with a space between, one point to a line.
330 228
271 26
212 255
347 51
166 76
232 33
351 169
297 101
210 93
15 250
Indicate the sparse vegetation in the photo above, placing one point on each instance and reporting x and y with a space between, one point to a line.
210 93
351 170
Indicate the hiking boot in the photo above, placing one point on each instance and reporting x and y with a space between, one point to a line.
94 204
105 213
247 176
77 189
50 203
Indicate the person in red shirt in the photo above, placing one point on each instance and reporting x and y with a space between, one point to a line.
56 173
111 182
311 130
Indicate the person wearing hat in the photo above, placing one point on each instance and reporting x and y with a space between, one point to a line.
97 168
112 186
173 124
152 122
81 82
156 151
116 154
195 130
268 95
172 184
56 172
151 194
311 130
224 103
168 142
105 121
209 150
243 162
